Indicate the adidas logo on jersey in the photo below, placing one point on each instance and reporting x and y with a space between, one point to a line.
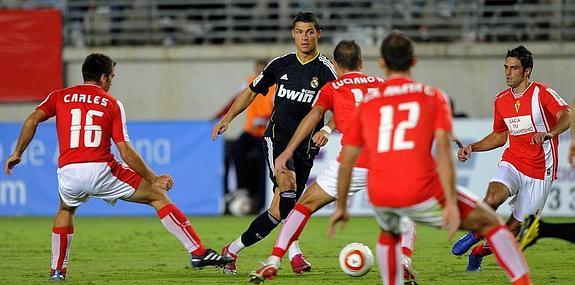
284 77
305 96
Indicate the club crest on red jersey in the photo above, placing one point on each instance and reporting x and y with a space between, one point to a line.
517 105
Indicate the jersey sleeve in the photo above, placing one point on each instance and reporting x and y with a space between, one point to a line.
119 128
498 122
324 98
552 101
266 78
443 117
353 135
49 105
328 73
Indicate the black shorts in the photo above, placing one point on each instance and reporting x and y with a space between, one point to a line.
301 162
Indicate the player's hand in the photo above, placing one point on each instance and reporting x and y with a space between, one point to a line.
451 219
320 138
220 128
571 156
464 153
280 164
164 182
539 138
11 162
340 215
457 142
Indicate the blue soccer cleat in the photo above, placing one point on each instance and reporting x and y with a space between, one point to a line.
465 243
474 264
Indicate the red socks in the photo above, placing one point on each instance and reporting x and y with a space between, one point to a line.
178 224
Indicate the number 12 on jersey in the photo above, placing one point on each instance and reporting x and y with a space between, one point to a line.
387 128
92 133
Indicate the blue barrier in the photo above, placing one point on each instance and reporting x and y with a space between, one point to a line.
181 149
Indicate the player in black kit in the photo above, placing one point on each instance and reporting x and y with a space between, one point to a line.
299 76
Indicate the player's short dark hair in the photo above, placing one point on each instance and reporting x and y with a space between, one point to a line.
95 65
397 51
306 17
347 54
523 55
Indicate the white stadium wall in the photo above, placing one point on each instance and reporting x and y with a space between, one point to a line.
194 82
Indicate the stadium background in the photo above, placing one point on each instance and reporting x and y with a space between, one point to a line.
180 61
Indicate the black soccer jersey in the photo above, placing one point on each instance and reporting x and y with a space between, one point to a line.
297 87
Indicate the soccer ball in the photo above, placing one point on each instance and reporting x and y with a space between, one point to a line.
356 259
240 205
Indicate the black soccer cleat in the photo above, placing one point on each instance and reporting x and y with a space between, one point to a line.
529 232
210 258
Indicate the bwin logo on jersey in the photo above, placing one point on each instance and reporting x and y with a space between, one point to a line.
305 96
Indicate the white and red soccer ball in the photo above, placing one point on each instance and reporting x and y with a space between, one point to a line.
356 259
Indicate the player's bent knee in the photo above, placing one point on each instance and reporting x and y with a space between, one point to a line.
64 207
286 181
481 219
314 198
497 193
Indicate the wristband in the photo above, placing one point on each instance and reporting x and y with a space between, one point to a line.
326 129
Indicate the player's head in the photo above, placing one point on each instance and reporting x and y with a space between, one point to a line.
99 68
260 64
396 53
518 66
305 31
347 56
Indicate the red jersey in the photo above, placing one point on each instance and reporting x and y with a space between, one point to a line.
342 96
522 116
397 127
87 117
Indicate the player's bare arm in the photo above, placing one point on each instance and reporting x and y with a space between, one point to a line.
240 104
446 170
349 155
135 162
322 137
303 130
563 121
491 141
26 135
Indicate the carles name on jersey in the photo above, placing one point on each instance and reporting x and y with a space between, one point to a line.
83 98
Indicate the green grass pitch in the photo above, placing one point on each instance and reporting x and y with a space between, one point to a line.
120 250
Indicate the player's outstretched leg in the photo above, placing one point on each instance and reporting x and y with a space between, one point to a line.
534 229
62 234
178 225
529 232
259 228
501 241
497 193
407 244
388 253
